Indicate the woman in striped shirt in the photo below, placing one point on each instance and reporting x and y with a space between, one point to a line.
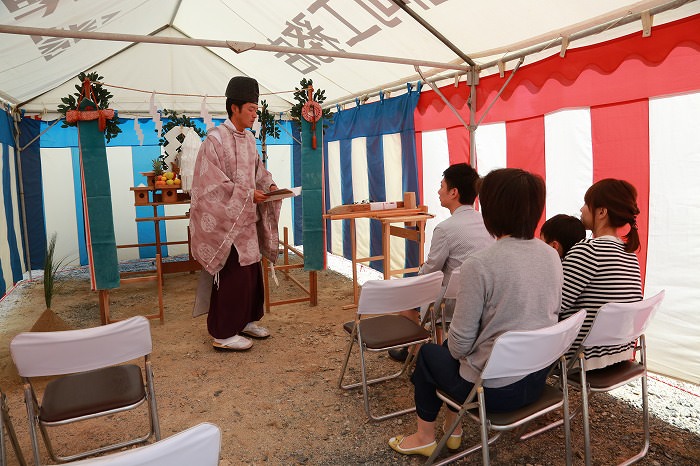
603 268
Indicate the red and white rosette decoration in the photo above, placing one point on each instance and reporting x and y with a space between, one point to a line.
311 112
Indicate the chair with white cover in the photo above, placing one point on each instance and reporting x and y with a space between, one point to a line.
384 331
6 425
517 353
88 378
449 292
616 324
199 445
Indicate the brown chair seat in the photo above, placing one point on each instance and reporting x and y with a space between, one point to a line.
386 331
383 299
610 376
551 398
86 393
92 372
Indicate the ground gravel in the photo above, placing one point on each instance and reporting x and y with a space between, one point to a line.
279 404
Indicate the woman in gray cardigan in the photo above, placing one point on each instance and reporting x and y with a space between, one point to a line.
515 284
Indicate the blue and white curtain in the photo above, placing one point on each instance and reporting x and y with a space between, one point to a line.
370 155
11 251
59 205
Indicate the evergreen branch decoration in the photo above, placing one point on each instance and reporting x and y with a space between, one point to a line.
268 127
300 95
102 97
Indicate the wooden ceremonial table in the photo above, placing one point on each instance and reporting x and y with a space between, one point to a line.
412 230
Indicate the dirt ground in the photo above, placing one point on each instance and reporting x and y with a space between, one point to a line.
279 403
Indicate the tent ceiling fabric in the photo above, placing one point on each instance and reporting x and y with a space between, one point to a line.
38 70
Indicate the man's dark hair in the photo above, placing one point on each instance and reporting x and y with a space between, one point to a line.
463 177
564 229
512 201
237 102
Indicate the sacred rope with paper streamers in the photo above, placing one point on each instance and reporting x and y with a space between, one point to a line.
257 124
138 131
155 114
206 116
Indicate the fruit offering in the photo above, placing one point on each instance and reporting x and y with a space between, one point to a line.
166 180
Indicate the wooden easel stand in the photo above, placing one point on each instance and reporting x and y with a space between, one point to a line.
311 292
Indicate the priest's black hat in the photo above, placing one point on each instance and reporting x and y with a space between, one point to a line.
243 88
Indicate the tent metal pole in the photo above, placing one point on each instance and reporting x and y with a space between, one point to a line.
471 103
236 46
500 91
444 99
41 134
23 208
433 31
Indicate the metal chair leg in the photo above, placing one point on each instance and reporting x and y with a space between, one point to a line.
30 404
348 353
6 424
586 420
484 427
152 406
565 415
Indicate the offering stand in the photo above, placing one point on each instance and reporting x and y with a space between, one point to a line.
413 217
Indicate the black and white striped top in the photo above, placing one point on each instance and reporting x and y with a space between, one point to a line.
599 271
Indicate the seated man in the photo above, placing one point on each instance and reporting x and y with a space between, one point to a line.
562 232
455 238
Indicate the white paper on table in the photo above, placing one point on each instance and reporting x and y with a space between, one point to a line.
382 205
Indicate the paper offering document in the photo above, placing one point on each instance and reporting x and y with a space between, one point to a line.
282 194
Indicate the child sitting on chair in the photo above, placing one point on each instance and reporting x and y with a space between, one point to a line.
562 232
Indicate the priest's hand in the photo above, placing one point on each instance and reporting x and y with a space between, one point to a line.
259 196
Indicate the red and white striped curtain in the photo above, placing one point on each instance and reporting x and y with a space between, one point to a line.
628 108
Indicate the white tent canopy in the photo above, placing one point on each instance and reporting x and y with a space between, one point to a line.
40 69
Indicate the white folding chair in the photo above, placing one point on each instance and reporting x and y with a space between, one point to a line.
517 353
88 378
6 425
199 445
616 324
449 292
387 331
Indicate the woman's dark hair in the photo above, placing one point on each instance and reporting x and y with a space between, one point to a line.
512 201
564 229
238 103
463 177
619 197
